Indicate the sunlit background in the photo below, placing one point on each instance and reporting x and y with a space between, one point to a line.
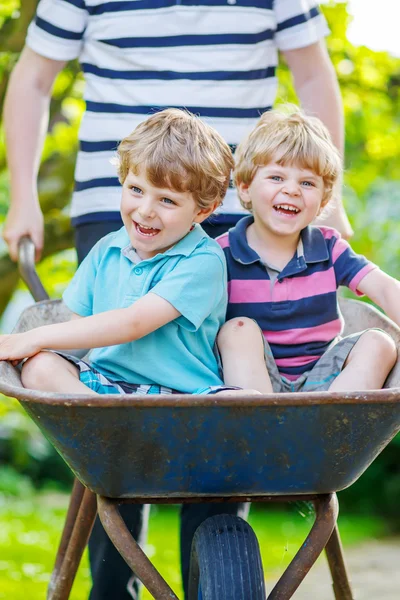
33 481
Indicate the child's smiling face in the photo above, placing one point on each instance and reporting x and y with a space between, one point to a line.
156 219
284 198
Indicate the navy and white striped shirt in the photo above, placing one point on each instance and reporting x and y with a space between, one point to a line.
217 58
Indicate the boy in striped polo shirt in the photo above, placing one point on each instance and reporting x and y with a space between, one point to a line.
283 273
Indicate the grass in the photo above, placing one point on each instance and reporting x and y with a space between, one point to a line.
30 529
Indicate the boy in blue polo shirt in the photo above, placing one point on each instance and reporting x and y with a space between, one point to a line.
150 298
284 273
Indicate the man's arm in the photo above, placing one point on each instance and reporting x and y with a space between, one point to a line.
109 328
318 90
26 115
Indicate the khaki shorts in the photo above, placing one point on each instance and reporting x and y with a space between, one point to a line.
322 375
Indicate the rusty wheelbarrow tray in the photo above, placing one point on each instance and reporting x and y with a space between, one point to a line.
183 448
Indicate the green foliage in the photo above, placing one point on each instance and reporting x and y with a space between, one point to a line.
26 457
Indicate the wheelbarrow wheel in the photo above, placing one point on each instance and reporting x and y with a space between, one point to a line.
226 562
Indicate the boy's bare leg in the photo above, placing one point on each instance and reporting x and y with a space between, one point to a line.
368 364
51 373
241 348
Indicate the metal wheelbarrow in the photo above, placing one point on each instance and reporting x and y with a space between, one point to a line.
183 448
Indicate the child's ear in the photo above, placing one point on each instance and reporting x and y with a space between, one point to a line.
203 213
244 195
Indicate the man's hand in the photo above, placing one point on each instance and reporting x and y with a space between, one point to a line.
24 221
16 346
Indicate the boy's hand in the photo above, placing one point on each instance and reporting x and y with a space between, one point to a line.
15 347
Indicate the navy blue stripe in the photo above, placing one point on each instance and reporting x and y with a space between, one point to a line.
202 111
306 349
190 40
97 217
177 75
300 369
293 314
108 7
239 271
57 31
102 146
98 182
298 19
348 265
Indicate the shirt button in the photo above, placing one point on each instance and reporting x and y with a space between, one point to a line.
138 271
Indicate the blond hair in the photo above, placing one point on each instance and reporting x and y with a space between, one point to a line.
180 152
287 137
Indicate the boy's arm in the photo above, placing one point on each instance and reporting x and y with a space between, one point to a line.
105 329
384 291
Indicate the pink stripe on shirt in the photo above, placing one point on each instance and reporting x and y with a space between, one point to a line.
289 376
296 288
249 290
243 291
360 275
223 240
321 333
296 361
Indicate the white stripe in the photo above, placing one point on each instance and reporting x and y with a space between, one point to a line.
223 57
190 20
233 94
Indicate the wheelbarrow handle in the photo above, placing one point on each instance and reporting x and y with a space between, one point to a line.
27 269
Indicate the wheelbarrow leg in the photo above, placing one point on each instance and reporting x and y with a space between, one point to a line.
68 562
130 551
73 508
326 515
334 554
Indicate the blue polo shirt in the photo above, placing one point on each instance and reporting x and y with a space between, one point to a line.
191 276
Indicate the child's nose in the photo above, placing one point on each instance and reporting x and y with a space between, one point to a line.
291 188
146 210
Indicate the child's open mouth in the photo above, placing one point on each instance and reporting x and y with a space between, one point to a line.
286 209
146 231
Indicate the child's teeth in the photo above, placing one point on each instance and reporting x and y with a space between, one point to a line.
287 207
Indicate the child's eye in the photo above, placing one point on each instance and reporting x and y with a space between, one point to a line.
308 183
135 189
168 201
276 178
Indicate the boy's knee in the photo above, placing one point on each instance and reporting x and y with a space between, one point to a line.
382 345
37 368
237 330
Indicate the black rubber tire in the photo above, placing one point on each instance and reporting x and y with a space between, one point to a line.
226 561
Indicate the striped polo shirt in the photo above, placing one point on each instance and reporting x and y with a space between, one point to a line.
217 58
298 310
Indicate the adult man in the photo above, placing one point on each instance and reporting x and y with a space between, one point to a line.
217 59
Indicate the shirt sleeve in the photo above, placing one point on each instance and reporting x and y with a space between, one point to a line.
350 268
299 23
79 294
195 287
58 29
